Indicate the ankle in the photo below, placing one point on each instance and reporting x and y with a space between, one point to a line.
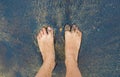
49 63
49 58
70 62
71 57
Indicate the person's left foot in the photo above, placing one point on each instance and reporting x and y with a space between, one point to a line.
45 40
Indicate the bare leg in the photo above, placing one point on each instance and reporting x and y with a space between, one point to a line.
72 45
46 44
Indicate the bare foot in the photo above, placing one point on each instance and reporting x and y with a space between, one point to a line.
72 42
72 45
46 44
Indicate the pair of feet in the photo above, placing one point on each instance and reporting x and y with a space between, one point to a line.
45 40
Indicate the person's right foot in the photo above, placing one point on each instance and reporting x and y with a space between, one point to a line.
72 42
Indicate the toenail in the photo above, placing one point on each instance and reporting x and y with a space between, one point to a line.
49 28
67 28
74 25
74 28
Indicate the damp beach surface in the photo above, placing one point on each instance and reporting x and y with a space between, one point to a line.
20 21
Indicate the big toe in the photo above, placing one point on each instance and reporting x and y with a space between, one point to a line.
67 28
50 30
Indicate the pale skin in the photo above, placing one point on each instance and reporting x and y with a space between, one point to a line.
45 39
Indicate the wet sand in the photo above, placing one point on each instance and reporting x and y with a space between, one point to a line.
20 21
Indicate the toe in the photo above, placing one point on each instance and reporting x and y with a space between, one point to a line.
41 33
38 36
49 30
79 32
44 30
67 28
74 28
